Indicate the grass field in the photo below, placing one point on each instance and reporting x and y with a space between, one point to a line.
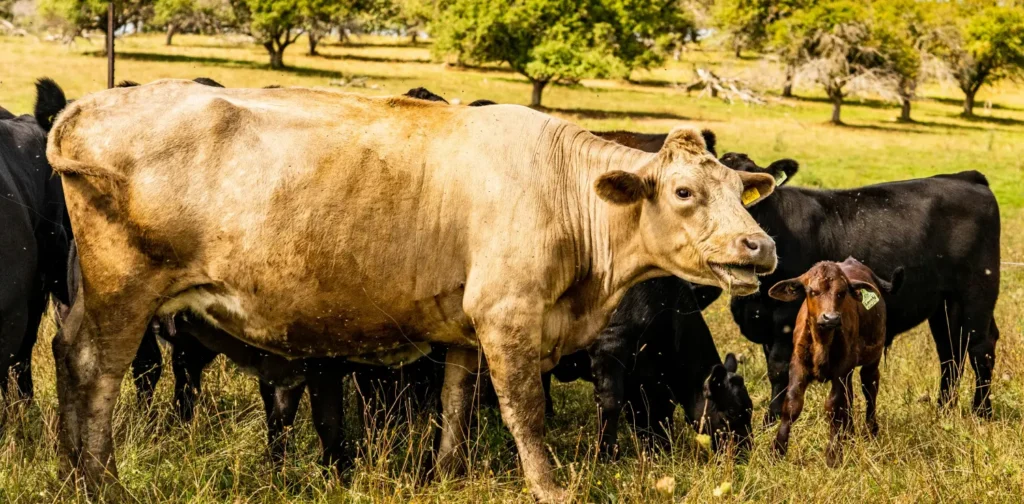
921 455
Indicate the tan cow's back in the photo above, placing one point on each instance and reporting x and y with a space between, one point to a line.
294 201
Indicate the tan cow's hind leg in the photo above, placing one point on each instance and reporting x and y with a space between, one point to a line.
513 358
460 373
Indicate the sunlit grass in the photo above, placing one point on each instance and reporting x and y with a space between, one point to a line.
920 455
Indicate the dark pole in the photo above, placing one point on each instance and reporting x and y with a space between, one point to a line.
110 45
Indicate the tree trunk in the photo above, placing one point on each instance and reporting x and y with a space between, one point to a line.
837 104
787 87
342 35
538 89
969 103
276 52
313 40
905 109
739 50
412 36
171 30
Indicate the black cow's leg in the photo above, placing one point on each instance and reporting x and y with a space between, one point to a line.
280 404
869 376
21 368
778 355
188 360
147 366
549 405
327 405
981 350
945 327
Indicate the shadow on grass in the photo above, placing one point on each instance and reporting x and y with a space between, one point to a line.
615 114
373 59
1002 121
866 102
959 102
229 63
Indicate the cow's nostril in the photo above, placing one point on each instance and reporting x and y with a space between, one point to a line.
752 245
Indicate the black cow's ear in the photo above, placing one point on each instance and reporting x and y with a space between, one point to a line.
730 362
783 170
787 290
715 382
623 188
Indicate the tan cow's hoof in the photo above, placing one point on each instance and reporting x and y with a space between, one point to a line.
552 495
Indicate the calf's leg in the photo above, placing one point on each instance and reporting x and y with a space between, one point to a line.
981 350
147 366
280 405
325 380
791 409
837 408
188 360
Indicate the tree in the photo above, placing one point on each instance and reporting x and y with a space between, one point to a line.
320 16
904 31
74 16
276 24
411 16
557 40
745 21
835 41
982 42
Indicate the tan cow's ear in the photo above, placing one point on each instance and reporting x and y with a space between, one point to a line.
756 187
623 188
787 290
685 139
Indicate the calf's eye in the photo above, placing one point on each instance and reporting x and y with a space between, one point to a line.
683 194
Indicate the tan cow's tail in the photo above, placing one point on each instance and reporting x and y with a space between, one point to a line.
65 165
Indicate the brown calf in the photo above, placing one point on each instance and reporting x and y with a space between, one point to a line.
841 325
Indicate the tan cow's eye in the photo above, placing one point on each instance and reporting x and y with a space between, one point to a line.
683 194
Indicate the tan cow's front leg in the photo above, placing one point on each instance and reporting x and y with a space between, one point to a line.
513 359
460 373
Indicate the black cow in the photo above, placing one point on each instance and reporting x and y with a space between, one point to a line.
944 230
34 239
656 353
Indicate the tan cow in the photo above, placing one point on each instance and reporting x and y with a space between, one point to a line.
316 223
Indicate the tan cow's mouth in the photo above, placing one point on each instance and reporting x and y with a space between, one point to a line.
740 279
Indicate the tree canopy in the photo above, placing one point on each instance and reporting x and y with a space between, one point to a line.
558 40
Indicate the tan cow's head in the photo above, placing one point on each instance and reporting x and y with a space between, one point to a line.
692 220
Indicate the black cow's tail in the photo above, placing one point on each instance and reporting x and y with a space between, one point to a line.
50 100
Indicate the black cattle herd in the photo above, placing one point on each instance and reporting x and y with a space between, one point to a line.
656 353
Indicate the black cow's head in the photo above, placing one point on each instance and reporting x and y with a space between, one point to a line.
725 410
782 170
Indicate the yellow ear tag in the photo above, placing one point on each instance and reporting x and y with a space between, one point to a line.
781 178
868 298
750 195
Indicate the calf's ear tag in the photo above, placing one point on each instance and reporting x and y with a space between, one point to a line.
750 195
868 298
781 178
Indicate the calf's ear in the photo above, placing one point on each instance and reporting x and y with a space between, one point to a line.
856 286
787 290
730 362
756 187
623 188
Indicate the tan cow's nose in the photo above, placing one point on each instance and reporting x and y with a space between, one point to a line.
759 249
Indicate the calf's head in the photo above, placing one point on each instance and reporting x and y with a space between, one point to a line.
690 217
724 410
826 288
